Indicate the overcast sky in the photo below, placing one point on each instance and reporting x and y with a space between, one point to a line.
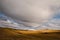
37 7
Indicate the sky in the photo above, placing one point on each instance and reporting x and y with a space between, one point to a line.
44 9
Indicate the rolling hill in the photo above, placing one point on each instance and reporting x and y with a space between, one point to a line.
13 34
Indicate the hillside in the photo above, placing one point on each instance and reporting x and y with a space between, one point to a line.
13 34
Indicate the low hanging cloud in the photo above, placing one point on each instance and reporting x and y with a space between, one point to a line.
52 24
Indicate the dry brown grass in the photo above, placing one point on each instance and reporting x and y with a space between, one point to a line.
12 34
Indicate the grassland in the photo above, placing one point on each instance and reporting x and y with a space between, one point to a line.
13 34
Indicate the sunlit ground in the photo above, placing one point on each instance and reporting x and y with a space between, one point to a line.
13 34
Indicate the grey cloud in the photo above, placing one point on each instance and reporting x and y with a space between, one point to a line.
30 9
35 11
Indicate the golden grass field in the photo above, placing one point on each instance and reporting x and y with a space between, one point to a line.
13 34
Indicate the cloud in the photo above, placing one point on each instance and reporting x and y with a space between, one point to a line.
31 10
37 11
